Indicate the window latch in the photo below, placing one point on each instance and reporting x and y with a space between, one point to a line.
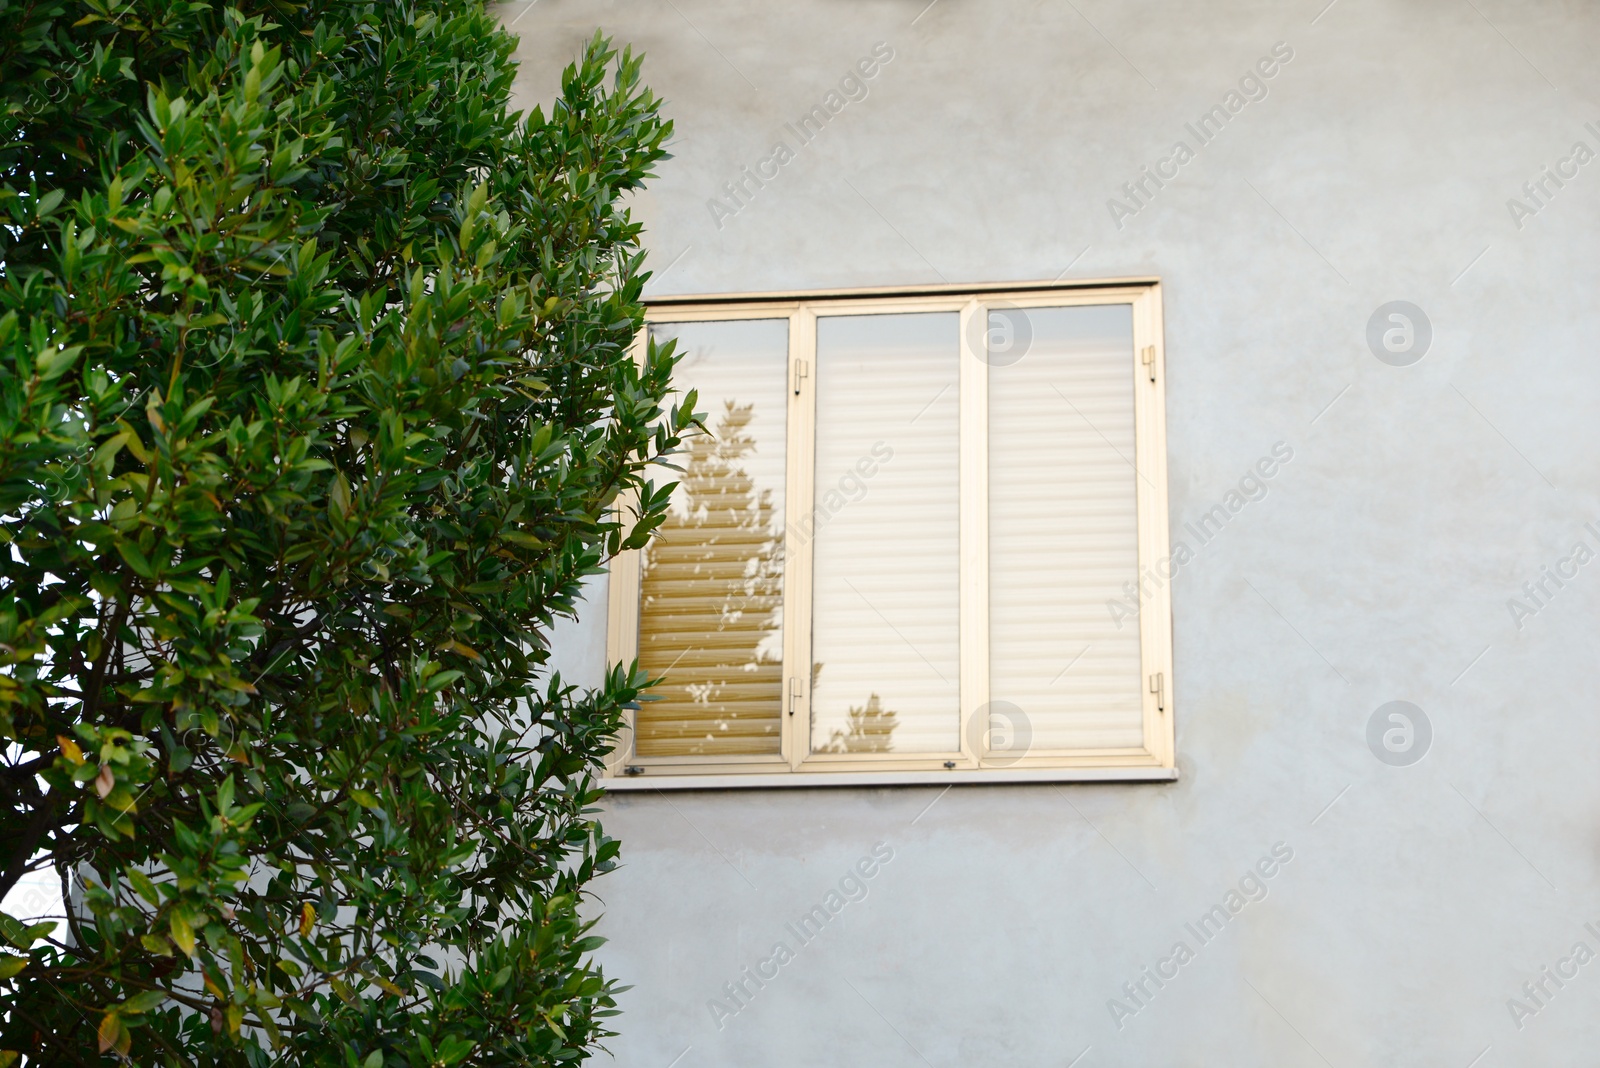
1158 686
1147 356
801 370
794 693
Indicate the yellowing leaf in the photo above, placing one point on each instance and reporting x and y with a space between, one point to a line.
182 933
69 749
135 445
527 541
11 965
342 988
464 650
144 886
111 1031
308 916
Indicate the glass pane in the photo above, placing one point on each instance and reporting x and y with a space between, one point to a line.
886 615
711 586
1063 529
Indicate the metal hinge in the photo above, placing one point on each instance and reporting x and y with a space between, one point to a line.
794 693
1158 686
801 370
1147 356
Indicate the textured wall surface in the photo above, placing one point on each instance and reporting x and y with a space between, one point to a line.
1386 162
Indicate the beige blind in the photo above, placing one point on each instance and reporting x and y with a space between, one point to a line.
885 614
1063 525
711 586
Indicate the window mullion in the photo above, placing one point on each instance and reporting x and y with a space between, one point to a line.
801 452
974 492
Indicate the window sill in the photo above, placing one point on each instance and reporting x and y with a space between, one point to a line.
982 776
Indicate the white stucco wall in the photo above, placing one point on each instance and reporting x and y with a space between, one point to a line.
1420 498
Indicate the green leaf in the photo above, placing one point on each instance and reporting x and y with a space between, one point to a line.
454 1049
443 679
136 559
14 932
53 363
143 1001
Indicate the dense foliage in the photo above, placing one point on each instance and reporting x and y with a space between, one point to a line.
316 407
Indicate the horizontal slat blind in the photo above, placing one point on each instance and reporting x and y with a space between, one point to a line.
885 623
1063 525
711 585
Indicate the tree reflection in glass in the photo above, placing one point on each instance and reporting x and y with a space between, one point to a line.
711 583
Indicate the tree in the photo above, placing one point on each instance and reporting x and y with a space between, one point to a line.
316 407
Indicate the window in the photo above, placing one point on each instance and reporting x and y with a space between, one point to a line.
910 547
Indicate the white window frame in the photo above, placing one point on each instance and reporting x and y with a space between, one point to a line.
1154 760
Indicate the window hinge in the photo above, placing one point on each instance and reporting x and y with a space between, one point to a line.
801 370
794 693
1148 356
1158 686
